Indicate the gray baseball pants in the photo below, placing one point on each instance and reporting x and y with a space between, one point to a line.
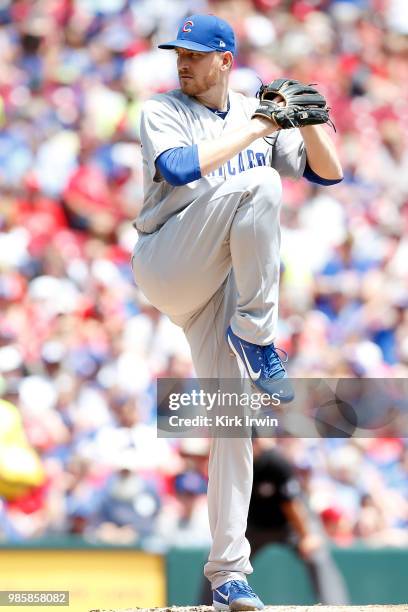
213 264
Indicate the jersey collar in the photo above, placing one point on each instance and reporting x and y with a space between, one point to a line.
219 113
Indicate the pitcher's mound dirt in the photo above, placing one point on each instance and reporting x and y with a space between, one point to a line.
318 608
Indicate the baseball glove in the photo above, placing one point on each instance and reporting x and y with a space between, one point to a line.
304 105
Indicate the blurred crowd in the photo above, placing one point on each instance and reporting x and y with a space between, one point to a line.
81 348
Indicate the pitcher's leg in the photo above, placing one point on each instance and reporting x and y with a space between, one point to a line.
255 252
230 466
183 265
229 493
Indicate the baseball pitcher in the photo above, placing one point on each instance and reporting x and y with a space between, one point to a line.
209 239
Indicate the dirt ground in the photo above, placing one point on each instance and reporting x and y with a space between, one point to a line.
387 608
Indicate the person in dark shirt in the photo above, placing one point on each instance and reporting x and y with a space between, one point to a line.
278 514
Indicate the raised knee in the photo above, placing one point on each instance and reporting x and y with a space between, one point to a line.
266 180
263 174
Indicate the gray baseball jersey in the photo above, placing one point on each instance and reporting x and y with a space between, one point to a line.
176 120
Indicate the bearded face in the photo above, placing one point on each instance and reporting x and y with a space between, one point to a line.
198 72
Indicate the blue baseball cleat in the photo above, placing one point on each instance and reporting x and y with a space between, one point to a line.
236 595
264 367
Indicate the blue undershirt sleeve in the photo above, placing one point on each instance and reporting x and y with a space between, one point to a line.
180 165
311 176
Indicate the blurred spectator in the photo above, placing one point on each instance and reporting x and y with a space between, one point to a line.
20 466
131 502
184 521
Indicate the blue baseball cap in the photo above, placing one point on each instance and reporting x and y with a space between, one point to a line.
204 33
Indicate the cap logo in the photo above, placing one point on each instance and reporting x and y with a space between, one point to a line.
222 43
185 26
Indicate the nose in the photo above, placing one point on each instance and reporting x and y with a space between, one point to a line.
182 62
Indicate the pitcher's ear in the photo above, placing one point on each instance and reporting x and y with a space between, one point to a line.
227 60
